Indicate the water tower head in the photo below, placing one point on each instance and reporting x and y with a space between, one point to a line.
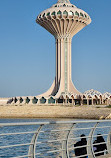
63 18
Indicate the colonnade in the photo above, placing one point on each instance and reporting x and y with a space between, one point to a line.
60 101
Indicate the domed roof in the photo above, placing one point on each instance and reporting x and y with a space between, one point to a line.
65 5
63 12
92 93
63 1
69 95
107 95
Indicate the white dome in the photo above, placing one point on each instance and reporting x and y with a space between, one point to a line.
92 93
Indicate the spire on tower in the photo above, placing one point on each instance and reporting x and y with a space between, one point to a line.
63 1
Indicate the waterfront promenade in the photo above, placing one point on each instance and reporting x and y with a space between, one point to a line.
33 111
51 138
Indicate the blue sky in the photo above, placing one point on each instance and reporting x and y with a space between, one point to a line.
27 51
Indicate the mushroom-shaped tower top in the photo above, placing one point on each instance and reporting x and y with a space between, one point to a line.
63 18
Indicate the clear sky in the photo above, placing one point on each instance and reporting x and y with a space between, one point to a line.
27 51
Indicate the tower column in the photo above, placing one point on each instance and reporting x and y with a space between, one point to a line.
63 63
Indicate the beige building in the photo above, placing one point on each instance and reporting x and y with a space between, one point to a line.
91 97
64 20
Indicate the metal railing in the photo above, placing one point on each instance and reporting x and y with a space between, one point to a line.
53 139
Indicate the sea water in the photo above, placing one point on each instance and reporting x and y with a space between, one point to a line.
43 137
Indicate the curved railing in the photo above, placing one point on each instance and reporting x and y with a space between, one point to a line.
53 138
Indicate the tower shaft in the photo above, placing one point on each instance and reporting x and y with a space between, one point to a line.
63 66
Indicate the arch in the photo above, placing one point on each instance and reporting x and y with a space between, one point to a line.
59 13
60 101
42 100
65 13
72 96
15 100
44 15
84 96
64 5
90 97
81 14
51 100
10 101
34 100
53 13
27 100
61 97
21 100
71 13
76 13
85 15
48 13
95 96
100 96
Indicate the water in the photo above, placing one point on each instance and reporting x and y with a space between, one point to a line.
44 137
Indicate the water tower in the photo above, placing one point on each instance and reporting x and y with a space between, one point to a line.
63 20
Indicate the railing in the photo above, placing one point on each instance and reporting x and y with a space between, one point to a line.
53 139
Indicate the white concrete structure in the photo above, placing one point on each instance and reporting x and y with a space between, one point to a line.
63 20
91 97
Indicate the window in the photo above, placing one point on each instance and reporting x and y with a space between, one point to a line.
42 100
59 12
51 100
48 13
81 15
44 15
64 5
27 100
34 100
53 13
21 100
85 15
71 13
76 13
65 12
